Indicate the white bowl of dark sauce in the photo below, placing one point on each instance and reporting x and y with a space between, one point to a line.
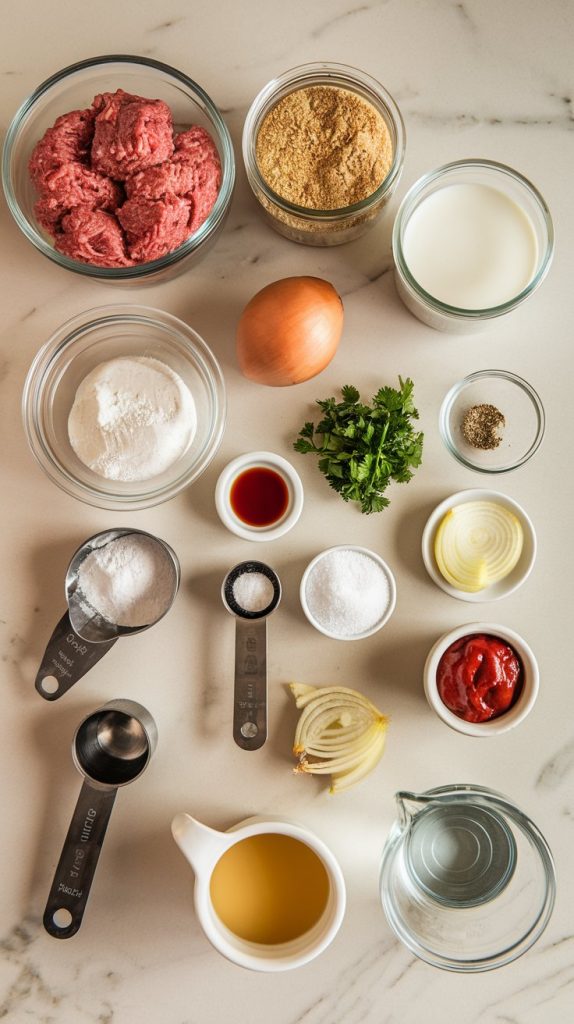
259 496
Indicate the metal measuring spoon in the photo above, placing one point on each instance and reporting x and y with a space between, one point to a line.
250 695
111 747
82 635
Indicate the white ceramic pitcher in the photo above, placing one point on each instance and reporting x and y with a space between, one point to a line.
204 846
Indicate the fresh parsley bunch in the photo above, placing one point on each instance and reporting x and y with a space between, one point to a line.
364 447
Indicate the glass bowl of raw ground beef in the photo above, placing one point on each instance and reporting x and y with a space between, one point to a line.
119 168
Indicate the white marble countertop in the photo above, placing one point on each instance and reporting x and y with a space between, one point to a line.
490 79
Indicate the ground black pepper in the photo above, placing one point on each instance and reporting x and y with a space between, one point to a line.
480 426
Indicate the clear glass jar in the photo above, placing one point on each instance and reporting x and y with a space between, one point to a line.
74 88
512 185
73 351
322 227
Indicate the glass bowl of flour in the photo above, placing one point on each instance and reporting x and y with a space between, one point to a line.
124 406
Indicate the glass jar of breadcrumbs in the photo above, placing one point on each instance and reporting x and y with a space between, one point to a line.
323 147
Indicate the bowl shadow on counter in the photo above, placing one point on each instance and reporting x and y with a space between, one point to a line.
154 882
215 627
200 495
399 664
408 537
46 566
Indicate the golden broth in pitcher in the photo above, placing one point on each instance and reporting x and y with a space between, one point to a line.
269 888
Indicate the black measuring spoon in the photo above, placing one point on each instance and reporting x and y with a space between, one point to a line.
111 748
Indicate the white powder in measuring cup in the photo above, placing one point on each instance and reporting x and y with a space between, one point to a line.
129 581
253 591
347 592
132 418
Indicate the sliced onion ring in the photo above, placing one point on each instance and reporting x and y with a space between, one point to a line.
476 544
340 730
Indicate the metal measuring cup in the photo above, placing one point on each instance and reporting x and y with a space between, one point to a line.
82 635
250 693
111 748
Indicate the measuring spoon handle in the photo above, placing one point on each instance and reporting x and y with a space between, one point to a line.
78 860
67 658
250 697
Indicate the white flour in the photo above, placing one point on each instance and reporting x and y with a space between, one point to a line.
129 582
132 418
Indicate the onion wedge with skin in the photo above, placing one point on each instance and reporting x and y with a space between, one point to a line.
340 730
476 544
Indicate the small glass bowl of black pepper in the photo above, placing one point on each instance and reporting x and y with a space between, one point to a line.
303 223
492 421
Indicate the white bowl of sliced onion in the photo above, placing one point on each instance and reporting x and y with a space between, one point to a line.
479 545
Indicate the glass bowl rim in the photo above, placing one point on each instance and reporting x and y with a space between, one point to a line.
52 351
142 270
454 392
410 203
355 77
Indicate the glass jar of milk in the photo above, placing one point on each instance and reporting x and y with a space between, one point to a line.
471 241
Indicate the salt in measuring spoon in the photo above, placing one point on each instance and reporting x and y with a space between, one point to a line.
250 695
111 748
82 635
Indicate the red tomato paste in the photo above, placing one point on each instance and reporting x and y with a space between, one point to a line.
479 677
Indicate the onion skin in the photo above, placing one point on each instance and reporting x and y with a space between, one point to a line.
289 331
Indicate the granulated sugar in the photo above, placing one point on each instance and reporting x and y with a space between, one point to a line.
129 581
347 592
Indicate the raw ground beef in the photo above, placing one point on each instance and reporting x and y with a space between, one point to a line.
154 227
70 185
69 140
194 172
90 160
196 151
93 236
131 133
156 181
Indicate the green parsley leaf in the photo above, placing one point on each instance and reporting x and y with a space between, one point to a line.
361 447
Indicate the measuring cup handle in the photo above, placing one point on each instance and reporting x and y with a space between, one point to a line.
250 697
78 860
67 658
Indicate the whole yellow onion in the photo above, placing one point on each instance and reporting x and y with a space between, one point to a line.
289 331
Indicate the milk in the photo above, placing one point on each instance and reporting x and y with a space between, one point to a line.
470 246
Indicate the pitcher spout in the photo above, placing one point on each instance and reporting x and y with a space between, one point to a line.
408 805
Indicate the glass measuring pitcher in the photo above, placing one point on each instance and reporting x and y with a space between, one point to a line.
467 880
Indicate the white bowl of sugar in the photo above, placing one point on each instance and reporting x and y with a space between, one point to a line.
348 592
